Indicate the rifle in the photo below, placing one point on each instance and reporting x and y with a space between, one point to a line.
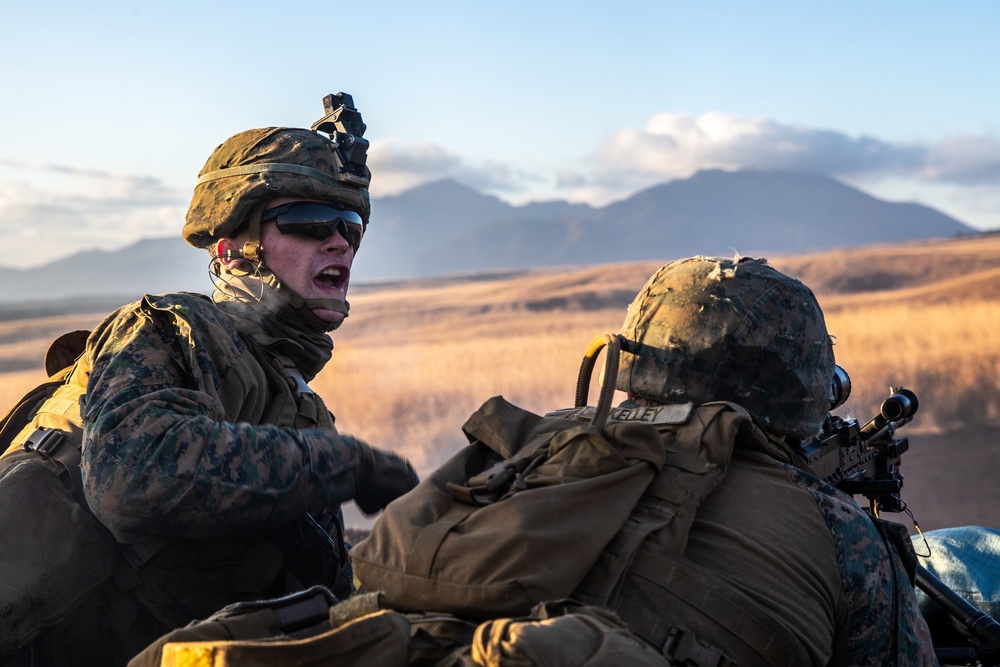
864 460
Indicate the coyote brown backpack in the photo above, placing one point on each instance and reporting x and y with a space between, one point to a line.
517 517
523 513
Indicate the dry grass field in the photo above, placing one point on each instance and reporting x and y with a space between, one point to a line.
416 358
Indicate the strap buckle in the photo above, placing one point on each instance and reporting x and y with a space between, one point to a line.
45 441
56 446
683 649
299 613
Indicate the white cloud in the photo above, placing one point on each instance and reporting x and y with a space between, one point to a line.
965 160
396 168
675 145
48 211
678 145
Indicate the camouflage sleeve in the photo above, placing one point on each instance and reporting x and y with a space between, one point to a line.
914 635
884 624
163 452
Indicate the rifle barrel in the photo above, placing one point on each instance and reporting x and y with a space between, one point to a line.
980 625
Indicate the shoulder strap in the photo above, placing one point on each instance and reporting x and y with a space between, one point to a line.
697 453
643 576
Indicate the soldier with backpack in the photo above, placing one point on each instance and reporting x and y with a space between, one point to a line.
735 553
183 463
774 556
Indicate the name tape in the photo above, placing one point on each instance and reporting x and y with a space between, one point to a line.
660 414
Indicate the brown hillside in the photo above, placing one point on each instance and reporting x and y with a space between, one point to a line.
933 265
940 270
416 358
23 342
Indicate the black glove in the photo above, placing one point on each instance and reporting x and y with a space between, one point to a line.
382 477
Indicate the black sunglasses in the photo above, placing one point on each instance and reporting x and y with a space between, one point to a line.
317 221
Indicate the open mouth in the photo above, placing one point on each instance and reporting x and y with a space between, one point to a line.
332 278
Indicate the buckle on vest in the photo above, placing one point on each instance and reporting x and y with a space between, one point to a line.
301 614
44 441
684 649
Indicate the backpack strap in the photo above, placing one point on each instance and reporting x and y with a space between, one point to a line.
643 576
698 448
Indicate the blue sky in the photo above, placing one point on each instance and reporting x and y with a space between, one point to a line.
109 109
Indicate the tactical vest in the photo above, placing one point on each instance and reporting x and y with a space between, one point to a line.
690 613
67 577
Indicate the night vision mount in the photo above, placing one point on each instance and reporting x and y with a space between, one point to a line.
342 121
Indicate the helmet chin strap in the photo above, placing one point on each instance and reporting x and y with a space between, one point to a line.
253 251
304 307
328 304
307 314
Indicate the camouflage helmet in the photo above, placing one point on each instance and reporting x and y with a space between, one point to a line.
256 166
713 329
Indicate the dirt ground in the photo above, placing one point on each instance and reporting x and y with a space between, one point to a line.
953 479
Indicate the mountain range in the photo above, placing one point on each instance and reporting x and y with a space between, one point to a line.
445 227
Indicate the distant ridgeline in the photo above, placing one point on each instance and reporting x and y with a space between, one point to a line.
445 227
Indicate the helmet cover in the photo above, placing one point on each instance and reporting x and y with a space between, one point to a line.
713 329
259 165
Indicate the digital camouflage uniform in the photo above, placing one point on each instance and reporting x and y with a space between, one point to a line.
190 422
201 454
204 452
709 329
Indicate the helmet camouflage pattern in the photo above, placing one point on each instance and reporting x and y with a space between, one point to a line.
714 329
259 165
